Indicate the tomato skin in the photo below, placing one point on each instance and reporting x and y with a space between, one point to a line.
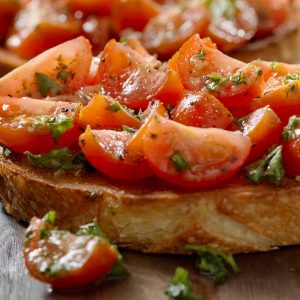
202 110
99 7
211 155
264 128
92 263
105 150
195 71
133 14
284 99
231 32
122 70
99 115
76 55
39 27
17 132
291 156
165 33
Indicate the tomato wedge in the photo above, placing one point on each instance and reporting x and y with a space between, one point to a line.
106 151
102 112
165 33
99 7
202 66
193 157
264 128
25 124
202 110
66 260
233 23
60 70
40 25
128 77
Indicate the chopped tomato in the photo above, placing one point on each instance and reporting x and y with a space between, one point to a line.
62 69
41 25
282 96
264 128
202 110
291 147
99 7
24 124
233 23
202 66
66 260
165 33
271 15
106 151
193 157
133 14
135 143
103 112
136 45
128 77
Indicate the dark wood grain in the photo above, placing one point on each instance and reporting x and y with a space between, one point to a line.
264 276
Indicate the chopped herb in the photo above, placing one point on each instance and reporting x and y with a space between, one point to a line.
200 55
291 77
81 162
181 287
44 232
50 217
214 82
46 85
124 40
61 158
212 262
222 8
274 65
128 129
179 162
63 75
289 129
91 229
269 168
5 151
238 79
114 107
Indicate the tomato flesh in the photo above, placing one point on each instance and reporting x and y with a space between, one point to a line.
193 157
17 129
65 260
202 110
128 77
106 151
264 128
291 155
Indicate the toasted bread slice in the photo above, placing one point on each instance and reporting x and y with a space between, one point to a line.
151 216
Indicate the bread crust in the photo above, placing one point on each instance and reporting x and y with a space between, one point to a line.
151 216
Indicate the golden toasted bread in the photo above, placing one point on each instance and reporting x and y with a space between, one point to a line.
151 216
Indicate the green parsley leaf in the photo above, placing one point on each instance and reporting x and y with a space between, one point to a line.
91 229
212 262
63 75
61 158
181 287
46 85
291 77
179 162
238 79
214 82
124 40
269 167
5 151
50 217
289 129
128 129
200 55
114 107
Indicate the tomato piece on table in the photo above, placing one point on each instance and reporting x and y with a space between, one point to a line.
202 66
202 110
106 151
60 70
102 112
65 260
135 143
37 126
128 77
233 23
264 128
40 25
133 14
271 15
282 94
193 157
291 147
99 7
165 33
